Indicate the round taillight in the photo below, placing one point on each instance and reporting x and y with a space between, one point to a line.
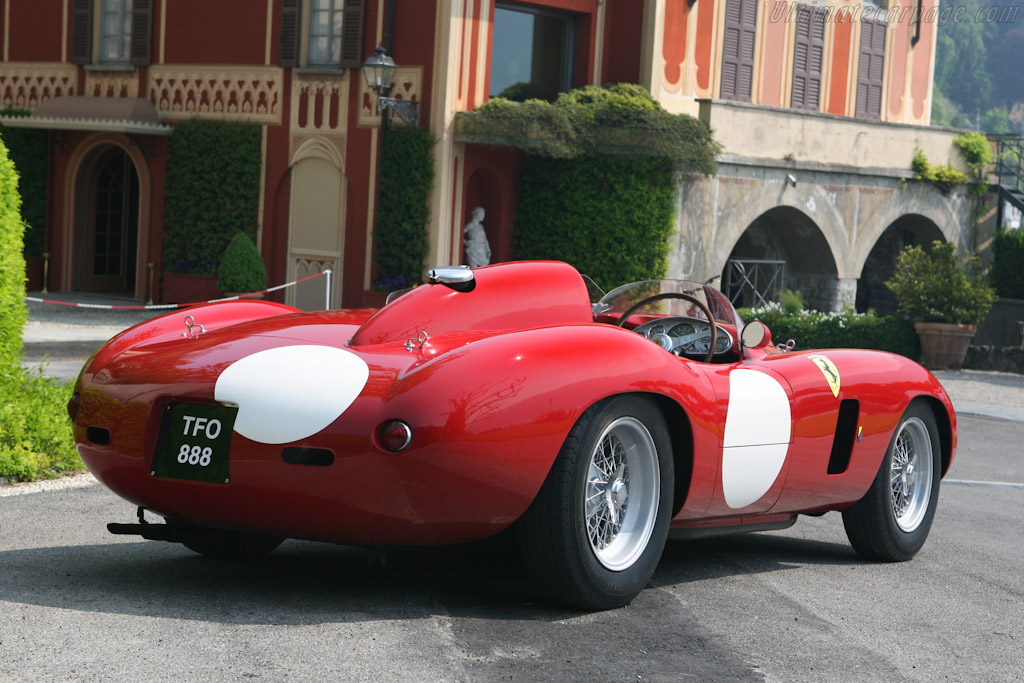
395 436
74 404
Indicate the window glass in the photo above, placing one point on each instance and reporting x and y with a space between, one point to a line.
325 19
532 53
116 31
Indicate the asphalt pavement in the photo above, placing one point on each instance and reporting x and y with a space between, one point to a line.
59 339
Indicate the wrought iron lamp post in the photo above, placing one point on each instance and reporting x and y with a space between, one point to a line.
379 72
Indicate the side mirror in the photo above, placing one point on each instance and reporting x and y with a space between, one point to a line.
756 335
459 278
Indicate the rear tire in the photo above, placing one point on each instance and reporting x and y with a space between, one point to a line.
593 536
891 522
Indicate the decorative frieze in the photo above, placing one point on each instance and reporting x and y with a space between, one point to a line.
112 83
319 103
25 86
230 93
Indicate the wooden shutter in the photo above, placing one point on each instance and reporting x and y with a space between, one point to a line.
808 57
81 32
738 50
289 55
352 35
142 33
871 71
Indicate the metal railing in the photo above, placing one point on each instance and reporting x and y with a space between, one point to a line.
1009 163
754 282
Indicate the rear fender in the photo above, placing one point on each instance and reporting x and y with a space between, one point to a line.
504 405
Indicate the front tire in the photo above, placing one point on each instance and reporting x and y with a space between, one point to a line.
593 536
891 522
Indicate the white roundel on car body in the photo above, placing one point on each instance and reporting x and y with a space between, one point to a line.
757 434
291 392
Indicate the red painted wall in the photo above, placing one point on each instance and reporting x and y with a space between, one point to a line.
623 22
36 33
841 55
490 181
197 32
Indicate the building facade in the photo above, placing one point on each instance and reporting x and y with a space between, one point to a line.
819 108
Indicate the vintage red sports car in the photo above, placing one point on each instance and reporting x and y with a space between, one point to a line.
509 395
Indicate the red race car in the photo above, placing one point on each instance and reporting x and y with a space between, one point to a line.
509 395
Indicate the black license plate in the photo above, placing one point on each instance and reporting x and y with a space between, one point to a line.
194 442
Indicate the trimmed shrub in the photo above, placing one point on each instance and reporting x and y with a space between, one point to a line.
1007 271
610 218
843 330
12 266
242 269
400 238
27 149
34 436
212 192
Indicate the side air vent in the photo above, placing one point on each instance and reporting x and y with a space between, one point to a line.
846 432
98 436
307 456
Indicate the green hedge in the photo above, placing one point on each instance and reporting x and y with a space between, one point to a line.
12 265
844 330
619 119
212 192
34 436
610 217
1007 271
27 149
400 237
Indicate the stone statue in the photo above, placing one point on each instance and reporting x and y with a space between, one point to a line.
478 250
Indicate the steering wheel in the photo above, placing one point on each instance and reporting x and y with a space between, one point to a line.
676 295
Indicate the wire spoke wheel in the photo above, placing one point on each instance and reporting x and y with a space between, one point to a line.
910 474
891 522
622 492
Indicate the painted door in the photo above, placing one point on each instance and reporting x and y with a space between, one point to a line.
107 256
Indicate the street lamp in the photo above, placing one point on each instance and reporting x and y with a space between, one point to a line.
379 71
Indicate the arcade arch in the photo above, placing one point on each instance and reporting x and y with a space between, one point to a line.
880 265
784 248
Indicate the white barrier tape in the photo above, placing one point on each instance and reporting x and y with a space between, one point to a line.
161 307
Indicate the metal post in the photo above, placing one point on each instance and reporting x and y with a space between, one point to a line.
328 292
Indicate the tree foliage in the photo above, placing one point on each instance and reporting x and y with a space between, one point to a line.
12 265
940 286
1007 271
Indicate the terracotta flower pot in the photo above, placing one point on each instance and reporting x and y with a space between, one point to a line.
944 345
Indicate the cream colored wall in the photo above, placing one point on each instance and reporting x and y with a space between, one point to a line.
787 135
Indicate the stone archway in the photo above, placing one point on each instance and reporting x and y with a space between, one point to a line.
905 231
785 243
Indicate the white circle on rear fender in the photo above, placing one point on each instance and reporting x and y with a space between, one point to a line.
291 392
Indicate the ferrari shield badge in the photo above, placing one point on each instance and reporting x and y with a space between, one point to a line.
829 370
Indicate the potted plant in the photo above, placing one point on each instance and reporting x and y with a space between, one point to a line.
241 270
942 292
